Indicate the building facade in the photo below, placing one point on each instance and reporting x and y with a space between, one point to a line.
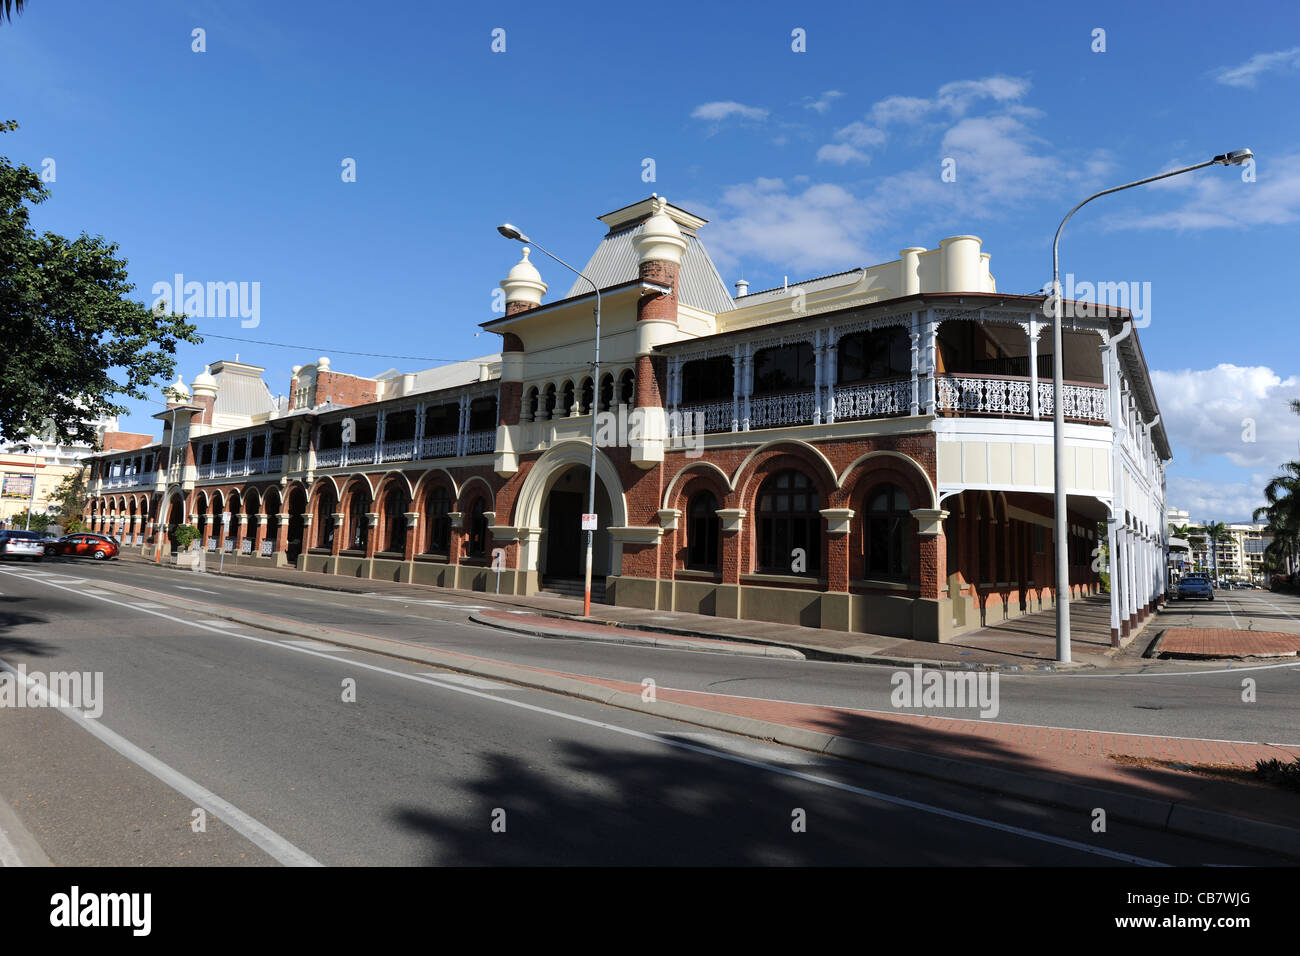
866 451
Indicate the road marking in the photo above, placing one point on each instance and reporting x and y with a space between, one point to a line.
314 645
89 592
61 580
1233 613
827 782
468 680
8 852
182 587
1276 608
258 833
215 622
153 606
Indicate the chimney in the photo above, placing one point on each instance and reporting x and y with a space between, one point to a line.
742 288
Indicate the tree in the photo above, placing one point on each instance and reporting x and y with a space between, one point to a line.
9 7
1281 516
69 501
73 342
1216 531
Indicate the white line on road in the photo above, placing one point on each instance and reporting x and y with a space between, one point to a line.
1233 613
313 645
468 680
640 735
182 587
258 833
89 592
8 852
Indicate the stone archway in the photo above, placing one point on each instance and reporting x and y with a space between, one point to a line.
563 469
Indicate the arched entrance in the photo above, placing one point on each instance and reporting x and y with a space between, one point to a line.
563 542
549 507
295 506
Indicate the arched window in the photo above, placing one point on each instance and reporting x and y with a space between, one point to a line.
548 403
627 388
396 503
566 406
358 506
436 511
702 532
483 414
606 392
887 534
789 519
530 404
478 529
325 508
585 401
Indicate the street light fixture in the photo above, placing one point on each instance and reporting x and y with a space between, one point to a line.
511 232
1237 157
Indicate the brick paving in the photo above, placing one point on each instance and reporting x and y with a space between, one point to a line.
1228 642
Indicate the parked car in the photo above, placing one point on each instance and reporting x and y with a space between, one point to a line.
1194 586
83 544
21 544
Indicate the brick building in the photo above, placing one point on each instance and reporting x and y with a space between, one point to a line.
873 449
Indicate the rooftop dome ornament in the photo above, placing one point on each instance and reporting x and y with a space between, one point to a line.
660 239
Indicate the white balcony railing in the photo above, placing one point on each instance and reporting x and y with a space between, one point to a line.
772 411
480 443
984 395
718 417
438 446
1080 402
873 399
400 450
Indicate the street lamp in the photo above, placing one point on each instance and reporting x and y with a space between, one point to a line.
510 232
1237 157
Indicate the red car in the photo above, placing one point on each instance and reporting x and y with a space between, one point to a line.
81 545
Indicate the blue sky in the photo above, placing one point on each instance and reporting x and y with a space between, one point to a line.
225 165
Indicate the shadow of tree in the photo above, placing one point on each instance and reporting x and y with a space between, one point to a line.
11 617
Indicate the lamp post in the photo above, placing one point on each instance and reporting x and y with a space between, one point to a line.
510 232
1235 158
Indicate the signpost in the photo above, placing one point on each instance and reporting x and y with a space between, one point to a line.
225 533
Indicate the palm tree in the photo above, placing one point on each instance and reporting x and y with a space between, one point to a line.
9 7
1281 515
1216 531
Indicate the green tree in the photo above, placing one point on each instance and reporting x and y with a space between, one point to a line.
73 343
1281 516
1216 531
69 501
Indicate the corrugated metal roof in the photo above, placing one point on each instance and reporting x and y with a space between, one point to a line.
615 262
241 394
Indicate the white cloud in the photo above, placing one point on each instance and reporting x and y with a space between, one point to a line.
1248 73
958 97
901 109
801 230
841 153
720 110
823 102
1240 412
1218 198
1205 500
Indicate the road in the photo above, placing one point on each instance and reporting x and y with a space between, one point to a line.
435 768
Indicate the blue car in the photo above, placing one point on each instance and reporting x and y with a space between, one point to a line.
1195 586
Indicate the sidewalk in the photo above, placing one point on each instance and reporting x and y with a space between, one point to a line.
1203 788
1025 643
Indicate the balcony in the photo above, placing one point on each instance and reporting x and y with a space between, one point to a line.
437 446
1009 396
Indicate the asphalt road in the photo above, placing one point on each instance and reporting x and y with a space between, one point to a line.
422 767
1159 698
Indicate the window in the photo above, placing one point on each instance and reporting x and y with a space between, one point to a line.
708 380
478 532
627 388
879 354
530 405
325 506
789 518
400 426
396 504
702 532
606 392
441 420
585 401
887 533
784 368
437 509
548 403
358 505
566 403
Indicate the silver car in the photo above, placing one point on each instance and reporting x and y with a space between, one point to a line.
21 544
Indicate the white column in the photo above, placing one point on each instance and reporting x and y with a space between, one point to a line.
931 363
747 384
915 407
1033 368
735 387
818 378
1112 540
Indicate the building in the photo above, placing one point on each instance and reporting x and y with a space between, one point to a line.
869 450
32 468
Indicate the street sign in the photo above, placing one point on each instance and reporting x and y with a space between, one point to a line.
589 523
225 520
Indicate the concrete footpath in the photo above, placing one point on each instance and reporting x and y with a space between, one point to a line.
1201 788
1019 644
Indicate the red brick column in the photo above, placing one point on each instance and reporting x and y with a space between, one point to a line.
337 546
259 535
838 521
372 533
282 533
412 535
931 552
455 539
732 543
